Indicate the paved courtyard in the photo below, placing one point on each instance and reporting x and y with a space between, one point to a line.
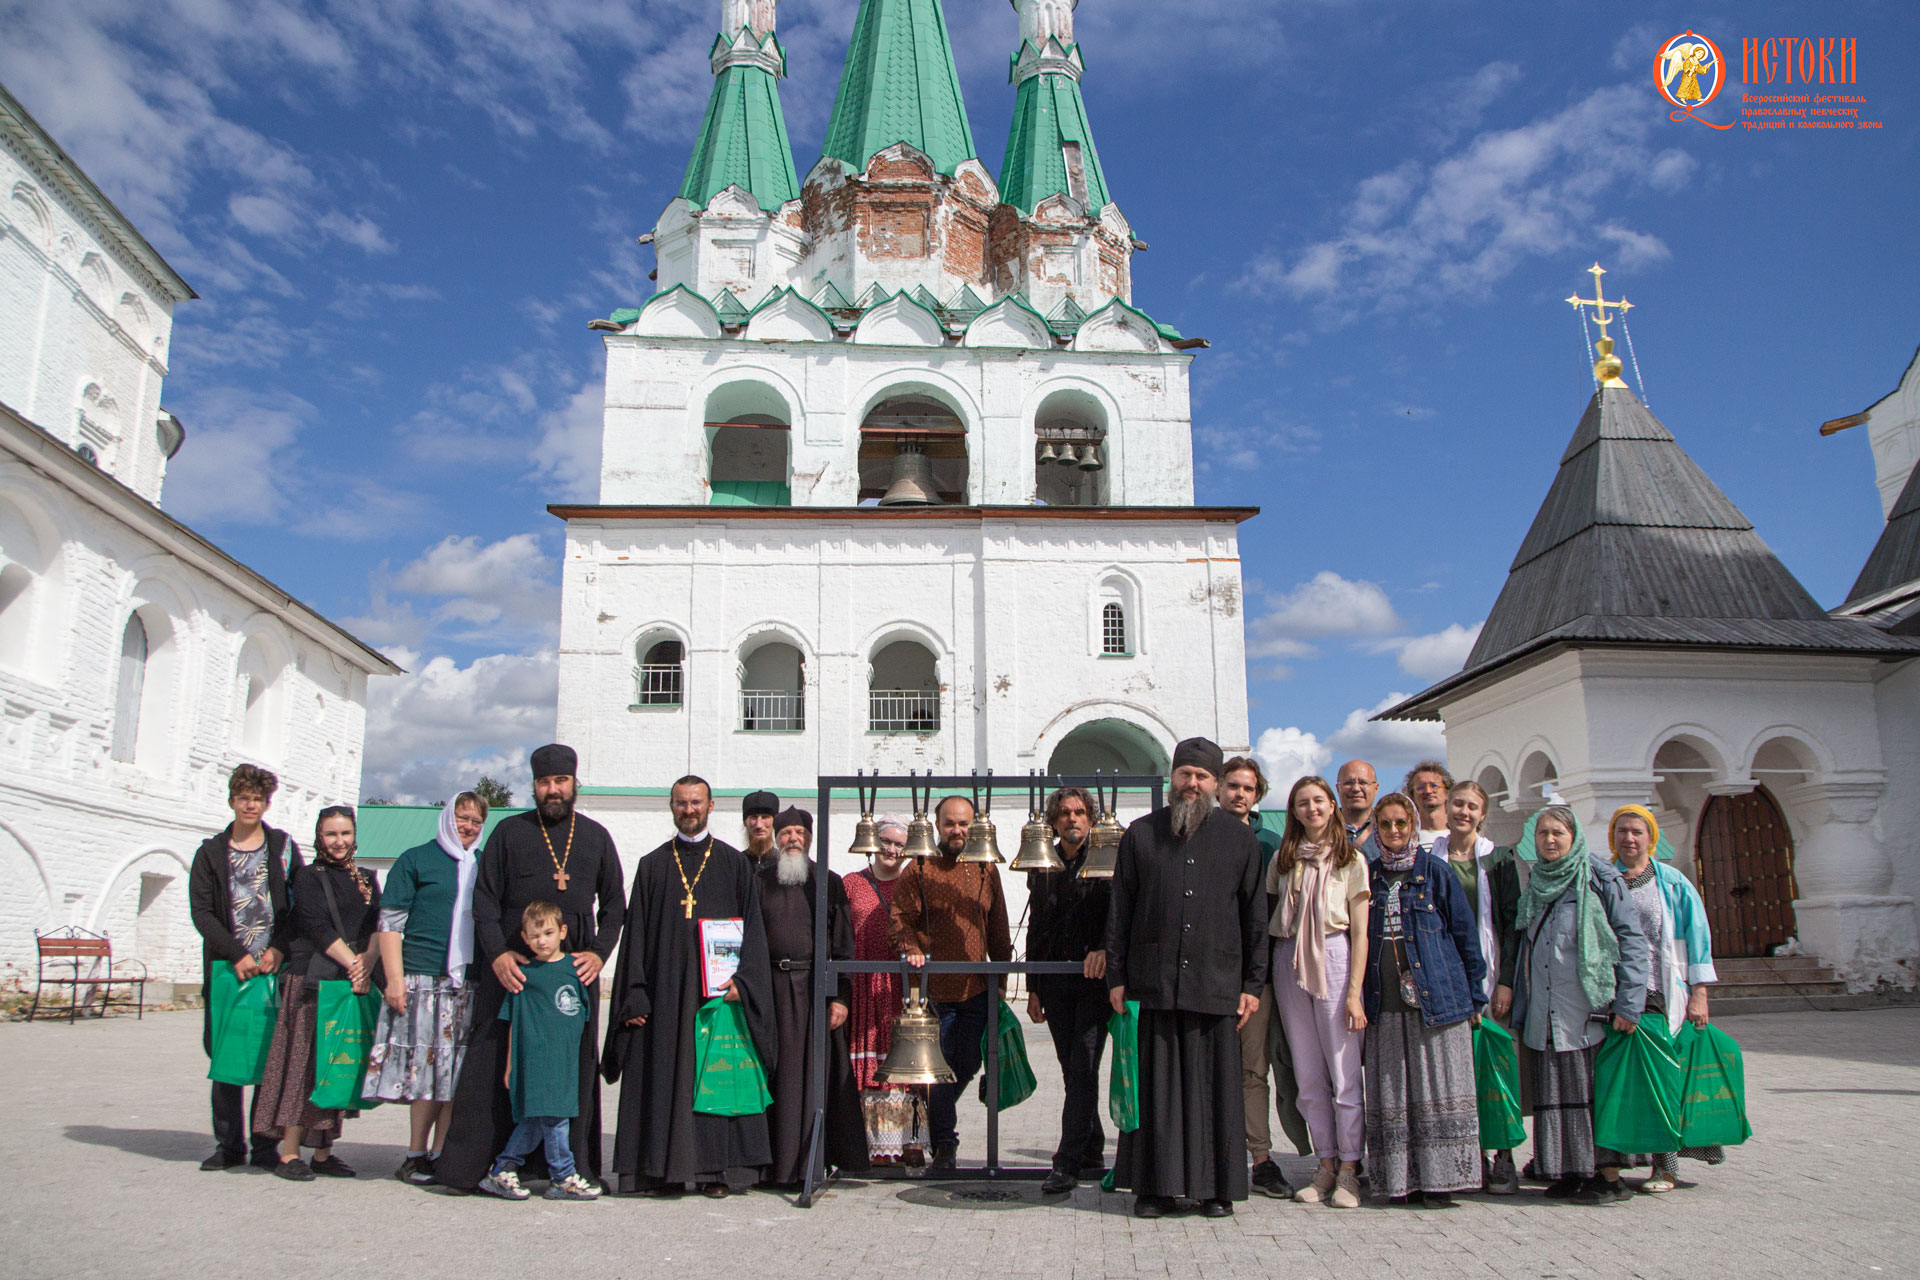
107 1121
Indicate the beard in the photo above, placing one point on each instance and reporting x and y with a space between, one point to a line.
792 867
1189 814
688 823
555 808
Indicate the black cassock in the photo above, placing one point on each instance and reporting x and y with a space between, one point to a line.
788 913
517 869
661 1141
1186 936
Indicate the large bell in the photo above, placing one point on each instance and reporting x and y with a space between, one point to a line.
912 478
983 844
1090 458
1103 848
866 837
1036 849
920 839
915 1057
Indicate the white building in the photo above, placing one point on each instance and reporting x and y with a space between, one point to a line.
138 662
1649 648
745 602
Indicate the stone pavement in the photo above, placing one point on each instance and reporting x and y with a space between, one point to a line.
106 1122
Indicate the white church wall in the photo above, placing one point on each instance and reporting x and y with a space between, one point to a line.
1893 430
1897 821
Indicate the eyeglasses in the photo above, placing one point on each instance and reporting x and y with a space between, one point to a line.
1393 824
892 844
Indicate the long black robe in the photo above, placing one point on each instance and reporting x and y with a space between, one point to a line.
516 870
661 1141
1186 937
787 911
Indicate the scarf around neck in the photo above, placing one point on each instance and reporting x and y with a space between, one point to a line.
1599 950
467 864
1307 917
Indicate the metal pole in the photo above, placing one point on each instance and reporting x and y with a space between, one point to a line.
822 973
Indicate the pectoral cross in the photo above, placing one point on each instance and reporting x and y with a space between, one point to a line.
560 879
687 902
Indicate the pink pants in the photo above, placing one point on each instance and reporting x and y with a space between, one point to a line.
1326 1056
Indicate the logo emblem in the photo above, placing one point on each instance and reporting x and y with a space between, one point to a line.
567 1001
1689 71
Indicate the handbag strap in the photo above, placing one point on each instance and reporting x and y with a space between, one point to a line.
333 908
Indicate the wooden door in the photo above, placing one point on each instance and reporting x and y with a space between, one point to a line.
1744 857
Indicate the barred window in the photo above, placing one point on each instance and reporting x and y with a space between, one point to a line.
1113 629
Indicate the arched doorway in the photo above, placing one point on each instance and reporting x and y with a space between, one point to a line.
1108 746
1744 857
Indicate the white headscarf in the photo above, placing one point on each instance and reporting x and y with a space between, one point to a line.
460 940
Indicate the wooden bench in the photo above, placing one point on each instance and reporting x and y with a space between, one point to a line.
73 949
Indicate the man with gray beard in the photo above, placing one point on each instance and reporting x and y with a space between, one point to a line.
785 883
1186 938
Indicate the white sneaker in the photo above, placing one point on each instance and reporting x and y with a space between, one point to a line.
1316 1191
505 1184
572 1187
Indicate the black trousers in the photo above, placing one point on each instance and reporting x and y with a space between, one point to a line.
230 1127
1077 1013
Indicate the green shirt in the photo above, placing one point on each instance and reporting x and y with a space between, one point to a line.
1468 874
549 1015
423 883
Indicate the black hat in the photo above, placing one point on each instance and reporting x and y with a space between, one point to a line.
555 761
1200 753
794 816
759 802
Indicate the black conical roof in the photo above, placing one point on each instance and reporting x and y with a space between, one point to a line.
1634 545
1895 560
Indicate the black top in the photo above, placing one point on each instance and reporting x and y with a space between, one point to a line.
1067 915
314 928
1187 929
787 912
210 894
517 870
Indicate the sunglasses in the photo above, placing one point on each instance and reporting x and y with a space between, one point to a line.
1393 824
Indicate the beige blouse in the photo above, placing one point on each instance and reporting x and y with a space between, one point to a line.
1344 887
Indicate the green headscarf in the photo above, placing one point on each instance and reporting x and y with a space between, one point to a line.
1550 881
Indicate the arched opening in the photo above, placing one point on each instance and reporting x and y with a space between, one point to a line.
1070 451
748 447
1744 861
1110 746
1784 762
1502 825
1537 777
26 907
16 608
773 695
903 690
1683 768
659 675
1114 630
23 571
256 684
130 689
913 452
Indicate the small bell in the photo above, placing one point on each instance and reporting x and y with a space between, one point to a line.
915 1057
982 843
1103 848
866 837
1036 849
1090 458
920 839
1046 452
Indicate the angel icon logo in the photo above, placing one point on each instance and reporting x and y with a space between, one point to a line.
1689 71
567 1001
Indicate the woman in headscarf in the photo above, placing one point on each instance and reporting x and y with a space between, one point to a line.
1425 981
336 908
1318 884
1582 963
1491 884
1674 919
426 951
896 1116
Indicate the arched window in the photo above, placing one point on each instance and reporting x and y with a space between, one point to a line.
1115 617
1113 629
16 604
917 439
1070 452
256 682
773 696
748 447
130 690
903 690
661 673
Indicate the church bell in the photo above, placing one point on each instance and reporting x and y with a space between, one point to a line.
920 840
912 478
915 1057
1036 849
983 844
1103 845
1046 452
1090 458
866 837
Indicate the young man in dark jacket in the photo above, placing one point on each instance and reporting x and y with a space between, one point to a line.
237 892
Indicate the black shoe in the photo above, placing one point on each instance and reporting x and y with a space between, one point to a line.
1268 1180
332 1166
415 1171
946 1157
1058 1183
1216 1208
1565 1188
1150 1206
294 1170
1436 1200
267 1158
222 1159
1591 1191
1532 1173
1614 1192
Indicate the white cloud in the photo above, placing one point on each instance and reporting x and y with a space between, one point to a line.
1418 232
435 730
355 229
1328 605
568 455
1288 755
1439 653
234 465
1390 746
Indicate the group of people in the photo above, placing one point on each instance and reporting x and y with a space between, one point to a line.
1329 976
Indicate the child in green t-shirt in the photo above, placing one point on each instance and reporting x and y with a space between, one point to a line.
546 1019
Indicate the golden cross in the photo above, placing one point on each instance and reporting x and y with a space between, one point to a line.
687 902
1599 301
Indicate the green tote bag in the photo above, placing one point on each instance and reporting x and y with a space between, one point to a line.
342 1038
1017 1082
729 1080
243 1014
1636 1089
1496 1078
1713 1104
1123 1076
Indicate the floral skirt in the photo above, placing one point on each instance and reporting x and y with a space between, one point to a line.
416 1054
896 1122
1423 1111
282 1097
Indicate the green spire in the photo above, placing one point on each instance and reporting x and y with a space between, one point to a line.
899 85
1048 113
743 140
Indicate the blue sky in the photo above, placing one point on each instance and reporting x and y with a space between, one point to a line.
401 215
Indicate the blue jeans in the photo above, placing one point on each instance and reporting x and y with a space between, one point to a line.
961 1026
532 1132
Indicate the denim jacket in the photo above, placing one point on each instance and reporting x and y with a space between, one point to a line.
1441 942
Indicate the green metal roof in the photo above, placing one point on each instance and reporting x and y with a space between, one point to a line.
1047 112
742 142
899 85
385 831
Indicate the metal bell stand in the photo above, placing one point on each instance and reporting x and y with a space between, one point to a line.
827 970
